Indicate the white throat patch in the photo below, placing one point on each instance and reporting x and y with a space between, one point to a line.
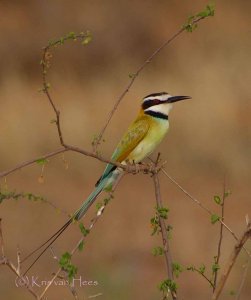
161 108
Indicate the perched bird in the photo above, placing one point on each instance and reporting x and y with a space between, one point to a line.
139 141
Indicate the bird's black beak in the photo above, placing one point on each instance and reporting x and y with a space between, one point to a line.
177 98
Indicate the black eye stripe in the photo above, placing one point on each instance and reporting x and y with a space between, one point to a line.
151 102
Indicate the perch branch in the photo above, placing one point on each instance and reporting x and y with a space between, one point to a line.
136 74
134 168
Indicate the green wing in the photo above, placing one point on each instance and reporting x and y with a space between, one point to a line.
134 135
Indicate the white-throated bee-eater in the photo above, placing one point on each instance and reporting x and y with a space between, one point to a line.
139 141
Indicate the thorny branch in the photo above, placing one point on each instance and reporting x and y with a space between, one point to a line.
164 233
246 235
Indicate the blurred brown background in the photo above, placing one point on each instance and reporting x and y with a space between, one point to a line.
210 137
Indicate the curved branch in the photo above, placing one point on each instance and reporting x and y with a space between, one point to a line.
139 70
134 168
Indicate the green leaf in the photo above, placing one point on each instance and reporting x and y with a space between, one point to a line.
208 12
214 218
132 75
84 230
99 205
217 199
4 195
227 193
215 268
202 269
71 35
155 224
71 271
190 26
47 85
81 246
87 38
157 251
211 9
177 269
65 259
168 285
33 197
108 199
42 161
163 212
66 265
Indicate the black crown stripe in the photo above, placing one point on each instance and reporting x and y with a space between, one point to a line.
156 94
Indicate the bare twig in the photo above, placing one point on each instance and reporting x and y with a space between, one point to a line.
1 240
31 161
243 278
16 270
18 261
204 208
50 283
95 296
45 63
217 261
237 248
164 233
45 66
203 275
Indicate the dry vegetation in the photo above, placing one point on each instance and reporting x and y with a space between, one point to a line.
209 140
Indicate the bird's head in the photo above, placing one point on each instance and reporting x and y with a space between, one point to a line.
160 104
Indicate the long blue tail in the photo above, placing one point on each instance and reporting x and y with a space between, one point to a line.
88 202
